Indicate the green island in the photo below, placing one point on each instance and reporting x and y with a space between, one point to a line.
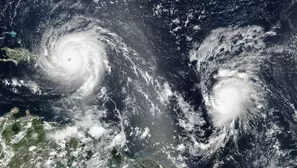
24 140
17 55
24 143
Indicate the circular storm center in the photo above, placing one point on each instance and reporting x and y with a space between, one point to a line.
72 61
229 99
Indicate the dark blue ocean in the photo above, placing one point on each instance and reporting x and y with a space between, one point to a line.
169 42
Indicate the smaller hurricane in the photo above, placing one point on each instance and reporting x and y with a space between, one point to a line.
230 97
229 62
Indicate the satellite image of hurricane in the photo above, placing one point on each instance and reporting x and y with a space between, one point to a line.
148 84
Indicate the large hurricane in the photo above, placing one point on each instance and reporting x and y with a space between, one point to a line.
72 57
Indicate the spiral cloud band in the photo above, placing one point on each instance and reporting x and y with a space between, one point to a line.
229 63
230 85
